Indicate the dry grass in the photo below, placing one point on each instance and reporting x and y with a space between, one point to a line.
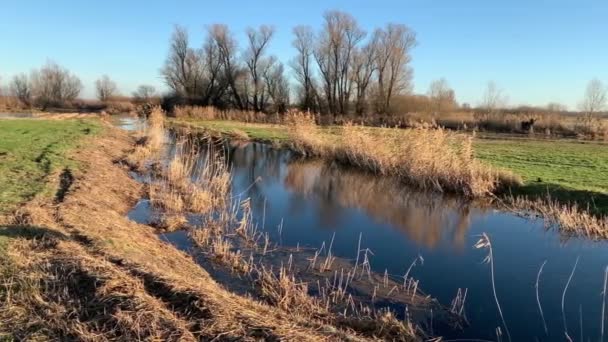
569 218
172 222
194 180
56 291
282 289
119 106
99 276
151 141
212 113
431 159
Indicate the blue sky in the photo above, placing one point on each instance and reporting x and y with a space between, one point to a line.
537 51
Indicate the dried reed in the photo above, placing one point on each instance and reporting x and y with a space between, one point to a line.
569 218
485 243
431 159
540 308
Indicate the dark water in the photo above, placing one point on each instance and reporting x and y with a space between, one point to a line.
313 200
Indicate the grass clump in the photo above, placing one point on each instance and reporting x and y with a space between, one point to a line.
151 142
568 218
33 150
431 159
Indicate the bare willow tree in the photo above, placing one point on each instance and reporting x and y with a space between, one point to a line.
302 66
144 93
594 101
215 85
257 64
232 72
334 53
54 85
277 86
363 67
21 89
441 97
105 88
182 71
394 43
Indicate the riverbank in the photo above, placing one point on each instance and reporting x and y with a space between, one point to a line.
79 256
569 171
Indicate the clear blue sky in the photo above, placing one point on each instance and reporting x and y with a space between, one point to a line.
537 51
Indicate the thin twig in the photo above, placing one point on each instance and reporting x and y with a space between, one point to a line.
542 316
564 297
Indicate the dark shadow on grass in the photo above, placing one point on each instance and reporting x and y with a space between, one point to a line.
66 178
30 232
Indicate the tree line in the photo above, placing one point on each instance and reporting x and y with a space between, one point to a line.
339 69
54 86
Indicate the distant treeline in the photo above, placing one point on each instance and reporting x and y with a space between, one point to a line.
339 69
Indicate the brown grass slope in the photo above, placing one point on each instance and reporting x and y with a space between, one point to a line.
79 269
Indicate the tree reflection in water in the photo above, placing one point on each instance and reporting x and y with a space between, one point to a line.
426 218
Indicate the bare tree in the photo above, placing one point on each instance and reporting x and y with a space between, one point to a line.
144 93
105 88
258 41
21 89
364 65
595 98
441 96
277 86
334 53
232 73
183 70
493 99
301 65
54 85
215 85
392 58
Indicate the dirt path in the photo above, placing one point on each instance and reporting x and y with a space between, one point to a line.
77 268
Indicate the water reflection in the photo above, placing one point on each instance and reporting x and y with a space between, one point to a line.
313 200
425 218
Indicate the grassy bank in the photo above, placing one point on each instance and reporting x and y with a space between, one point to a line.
569 170
31 151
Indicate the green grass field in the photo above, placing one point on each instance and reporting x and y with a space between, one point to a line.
31 150
568 170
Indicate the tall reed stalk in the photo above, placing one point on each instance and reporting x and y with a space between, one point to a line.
604 302
540 308
485 243
564 298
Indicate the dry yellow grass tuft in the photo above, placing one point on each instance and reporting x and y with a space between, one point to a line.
212 113
195 180
569 218
151 141
431 159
